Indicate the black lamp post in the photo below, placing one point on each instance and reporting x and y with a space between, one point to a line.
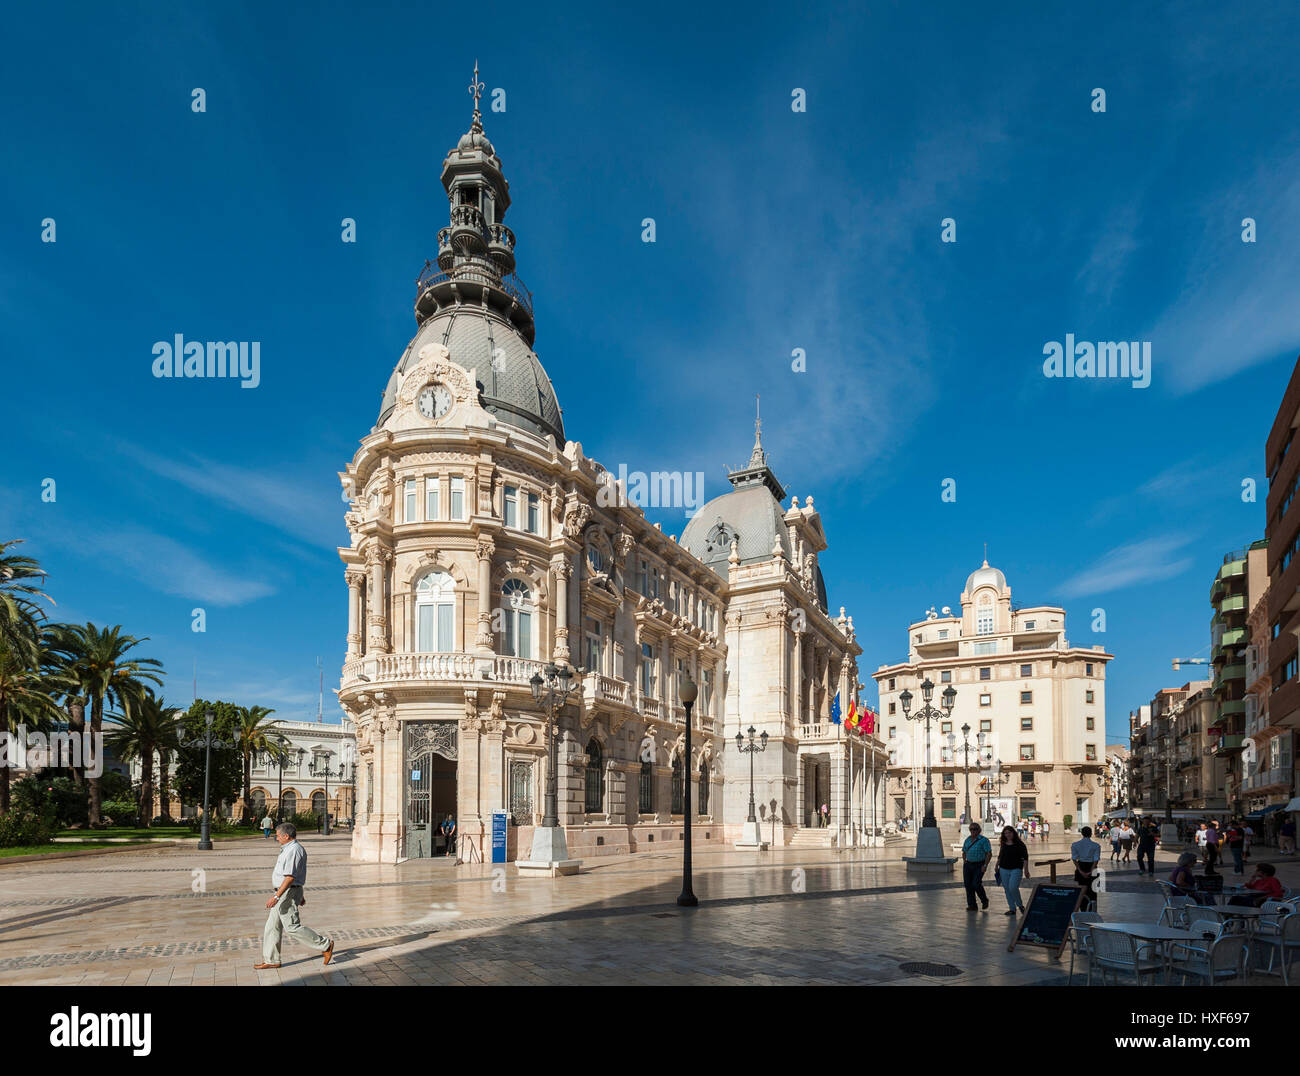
753 746
965 747
996 779
928 713
687 691
207 741
282 755
319 769
552 693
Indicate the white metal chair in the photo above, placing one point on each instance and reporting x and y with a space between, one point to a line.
1120 953
1204 925
1284 943
1177 910
1081 940
1220 959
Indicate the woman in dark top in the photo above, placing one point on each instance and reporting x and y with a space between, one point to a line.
1013 862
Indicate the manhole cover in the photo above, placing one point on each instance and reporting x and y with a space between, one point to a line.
921 968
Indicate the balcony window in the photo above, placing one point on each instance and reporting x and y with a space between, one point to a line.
595 637
431 497
648 678
1026 752
511 506
1090 752
458 498
517 611
435 605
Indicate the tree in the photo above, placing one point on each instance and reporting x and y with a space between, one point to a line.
20 613
25 699
226 766
137 735
254 733
97 659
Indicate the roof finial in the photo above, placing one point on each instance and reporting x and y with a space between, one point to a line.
757 458
986 554
476 91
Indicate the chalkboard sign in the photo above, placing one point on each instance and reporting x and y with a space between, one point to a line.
1046 922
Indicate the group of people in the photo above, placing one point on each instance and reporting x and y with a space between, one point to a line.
1032 828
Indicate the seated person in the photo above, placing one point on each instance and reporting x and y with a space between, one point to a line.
1184 881
1264 882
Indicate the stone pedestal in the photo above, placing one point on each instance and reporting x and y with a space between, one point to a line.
929 858
549 856
752 838
1168 835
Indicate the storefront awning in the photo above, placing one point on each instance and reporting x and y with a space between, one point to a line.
1294 805
1268 810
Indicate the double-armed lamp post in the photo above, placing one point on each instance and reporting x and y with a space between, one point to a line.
929 845
207 741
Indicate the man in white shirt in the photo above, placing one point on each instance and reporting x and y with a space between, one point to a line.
288 879
1086 854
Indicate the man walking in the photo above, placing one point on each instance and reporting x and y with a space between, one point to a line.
975 855
449 834
1236 838
1086 854
1287 834
1211 847
1147 848
268 824
288 879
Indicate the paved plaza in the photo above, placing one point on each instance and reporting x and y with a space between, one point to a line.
791 917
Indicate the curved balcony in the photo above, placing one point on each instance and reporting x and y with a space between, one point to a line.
380 669
607 690
468 233
458 277
501 246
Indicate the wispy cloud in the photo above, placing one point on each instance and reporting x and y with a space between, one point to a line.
173 568
1108 262
1137 563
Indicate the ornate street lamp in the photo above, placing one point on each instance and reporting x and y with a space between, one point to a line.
751 837
929 845
687 691
207 741
965 747
318 769
550 852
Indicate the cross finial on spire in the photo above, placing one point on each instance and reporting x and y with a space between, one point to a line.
476 91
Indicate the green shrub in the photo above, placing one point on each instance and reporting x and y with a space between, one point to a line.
42 793
20 829
1068 819
122 812
304 820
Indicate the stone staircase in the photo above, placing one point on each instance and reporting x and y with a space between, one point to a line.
817 837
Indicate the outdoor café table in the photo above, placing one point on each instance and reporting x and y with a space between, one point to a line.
1153 932
1249 916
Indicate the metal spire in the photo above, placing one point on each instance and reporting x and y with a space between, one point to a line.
757 458
476 91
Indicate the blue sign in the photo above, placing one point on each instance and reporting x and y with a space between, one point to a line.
499 822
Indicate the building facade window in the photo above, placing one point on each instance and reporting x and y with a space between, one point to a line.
1092 723
1090 752
949 781
595 779
945 676
703 795
646 789
1026 670
1026 778
1026 697
1030 625
534 516
435 608
1026 752
945 727
458 498
893 731
521 792
984 620
649 680
949 806
409 499
891 683
318 804
1028 805
1088 697
706 692
1026 724
517 612
677 802
431 497
893 707
1087 669
510 506
986 700
289 805
986 725
594 636
986 673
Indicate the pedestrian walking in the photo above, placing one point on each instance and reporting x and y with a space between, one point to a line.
1114 844
826 815
1146 843
1211 847
1086 855
1250 839
449 832
1287 837
288 879
268 824
975 855
1235 838
1126 835
1013 863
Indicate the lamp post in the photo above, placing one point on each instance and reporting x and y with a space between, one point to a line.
207 741
550 852
929 845
282 755
754 746
323 770
965 747
686 691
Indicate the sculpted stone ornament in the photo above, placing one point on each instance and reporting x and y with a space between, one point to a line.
576 517
623 543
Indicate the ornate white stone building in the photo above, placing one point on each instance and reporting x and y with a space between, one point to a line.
486 544
1040 703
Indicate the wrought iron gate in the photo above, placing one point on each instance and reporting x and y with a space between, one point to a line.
422 741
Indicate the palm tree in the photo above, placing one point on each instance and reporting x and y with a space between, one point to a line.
252 735
96 658
169 742
27 697
20 613
139 734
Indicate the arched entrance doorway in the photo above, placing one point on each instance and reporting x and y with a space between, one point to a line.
430 752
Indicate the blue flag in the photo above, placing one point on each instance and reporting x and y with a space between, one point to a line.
835 709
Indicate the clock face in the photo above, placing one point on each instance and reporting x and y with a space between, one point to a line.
434 401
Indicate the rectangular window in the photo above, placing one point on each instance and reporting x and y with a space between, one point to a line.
1026 752
943 633
511 506
986 673
918 639
945 754
431 497
706 693
892 706
648 670
945 677
595 638
945 727
985 755
984 621
949 781
986 725
458 498
949 806
893 731
1090 752
409 516
643 578
893 758
1026 697
646 790
986 699
677 683
1088 697
891 683
521 793
534 516
1028 805
1026 724
1026 778
1092 723
986 648
1029 625
1087 669
1026 670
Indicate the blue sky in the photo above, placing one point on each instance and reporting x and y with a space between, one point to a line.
775 230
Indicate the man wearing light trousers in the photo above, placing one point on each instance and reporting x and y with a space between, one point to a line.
288 879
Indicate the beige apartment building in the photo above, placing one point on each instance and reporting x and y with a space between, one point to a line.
1039 702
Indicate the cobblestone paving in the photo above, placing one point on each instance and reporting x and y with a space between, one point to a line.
806 916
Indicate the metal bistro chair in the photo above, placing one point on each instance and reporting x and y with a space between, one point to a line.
1081 940
1220 959
1272 913
1115 951
1282 944
1177 910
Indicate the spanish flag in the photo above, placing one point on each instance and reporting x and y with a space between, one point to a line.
852 719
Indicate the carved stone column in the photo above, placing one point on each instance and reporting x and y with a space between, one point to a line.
492 789
355 579
486 548
563 570
468 770
377 559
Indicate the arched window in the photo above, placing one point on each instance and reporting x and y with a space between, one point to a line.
704 788
435 604
677 784
318 803
646 798
259 804
289 804
595 779
517 607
